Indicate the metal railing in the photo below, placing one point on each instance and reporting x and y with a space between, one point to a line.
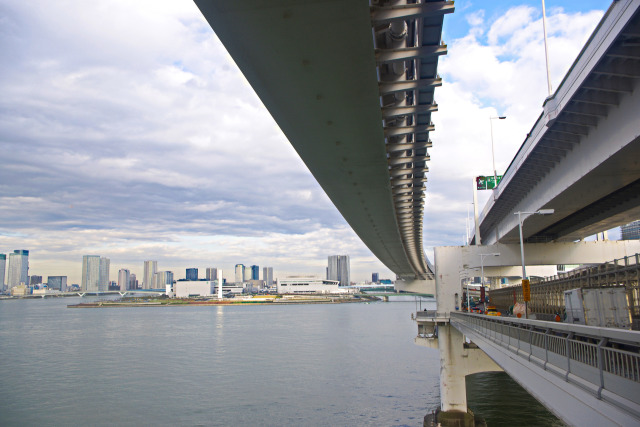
603 361
547 296
430 314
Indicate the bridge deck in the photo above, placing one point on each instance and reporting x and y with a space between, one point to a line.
585 375
580 156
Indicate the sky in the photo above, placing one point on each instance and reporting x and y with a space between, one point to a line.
127 131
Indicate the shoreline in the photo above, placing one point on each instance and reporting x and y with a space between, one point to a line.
276 300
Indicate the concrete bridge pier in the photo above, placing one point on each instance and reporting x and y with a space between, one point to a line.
453 391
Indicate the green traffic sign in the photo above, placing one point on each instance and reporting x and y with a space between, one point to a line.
487 182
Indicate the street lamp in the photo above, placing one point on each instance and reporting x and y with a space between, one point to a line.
493 155
482 257
520 221
546 50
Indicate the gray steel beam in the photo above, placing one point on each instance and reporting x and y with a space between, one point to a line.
384 15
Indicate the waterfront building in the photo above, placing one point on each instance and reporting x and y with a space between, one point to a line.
253 286
150 270
255 272
21 290
124 277
57 282
35 280
164 278
307 285
246 273
267 276
90 273
192 274
3 264
105 265
630 231
18 268
375 277
192 288
239 273
212 273
133 281
339 269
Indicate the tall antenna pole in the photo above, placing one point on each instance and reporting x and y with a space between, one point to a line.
546 51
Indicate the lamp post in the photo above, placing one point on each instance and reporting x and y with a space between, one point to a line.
546 50
493 155
520 221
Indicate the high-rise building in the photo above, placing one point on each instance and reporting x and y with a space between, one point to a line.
3 265
192 274
18 268
630 231
338 269
212 273
164 278
105 265
150 270
124 277
255 272
133 281
375 277
35 280
267 276
57 282
239 273
90 273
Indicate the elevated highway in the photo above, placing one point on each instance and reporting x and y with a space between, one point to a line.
582 156
351 84
352 87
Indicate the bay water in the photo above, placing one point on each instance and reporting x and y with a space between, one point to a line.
315 365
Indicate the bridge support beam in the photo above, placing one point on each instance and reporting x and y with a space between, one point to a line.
416 285
453 392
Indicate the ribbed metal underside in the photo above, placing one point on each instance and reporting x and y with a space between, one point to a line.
351 86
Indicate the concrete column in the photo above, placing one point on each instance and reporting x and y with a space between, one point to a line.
453 391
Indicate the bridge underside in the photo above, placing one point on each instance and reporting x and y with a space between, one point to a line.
318 67
581 157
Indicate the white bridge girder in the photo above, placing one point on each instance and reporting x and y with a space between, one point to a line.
581 158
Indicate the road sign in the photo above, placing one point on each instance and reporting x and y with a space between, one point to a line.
526 290
486 182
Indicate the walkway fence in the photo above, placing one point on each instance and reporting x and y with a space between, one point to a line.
547 295
603 361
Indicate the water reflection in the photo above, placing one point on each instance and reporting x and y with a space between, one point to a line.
501 401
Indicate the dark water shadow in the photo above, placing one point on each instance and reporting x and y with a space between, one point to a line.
501 401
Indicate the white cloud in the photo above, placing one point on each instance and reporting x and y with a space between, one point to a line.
127 131
502 74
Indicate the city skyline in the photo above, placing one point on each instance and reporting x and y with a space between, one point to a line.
114 120
94 276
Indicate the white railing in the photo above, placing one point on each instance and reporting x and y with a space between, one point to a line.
603 361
